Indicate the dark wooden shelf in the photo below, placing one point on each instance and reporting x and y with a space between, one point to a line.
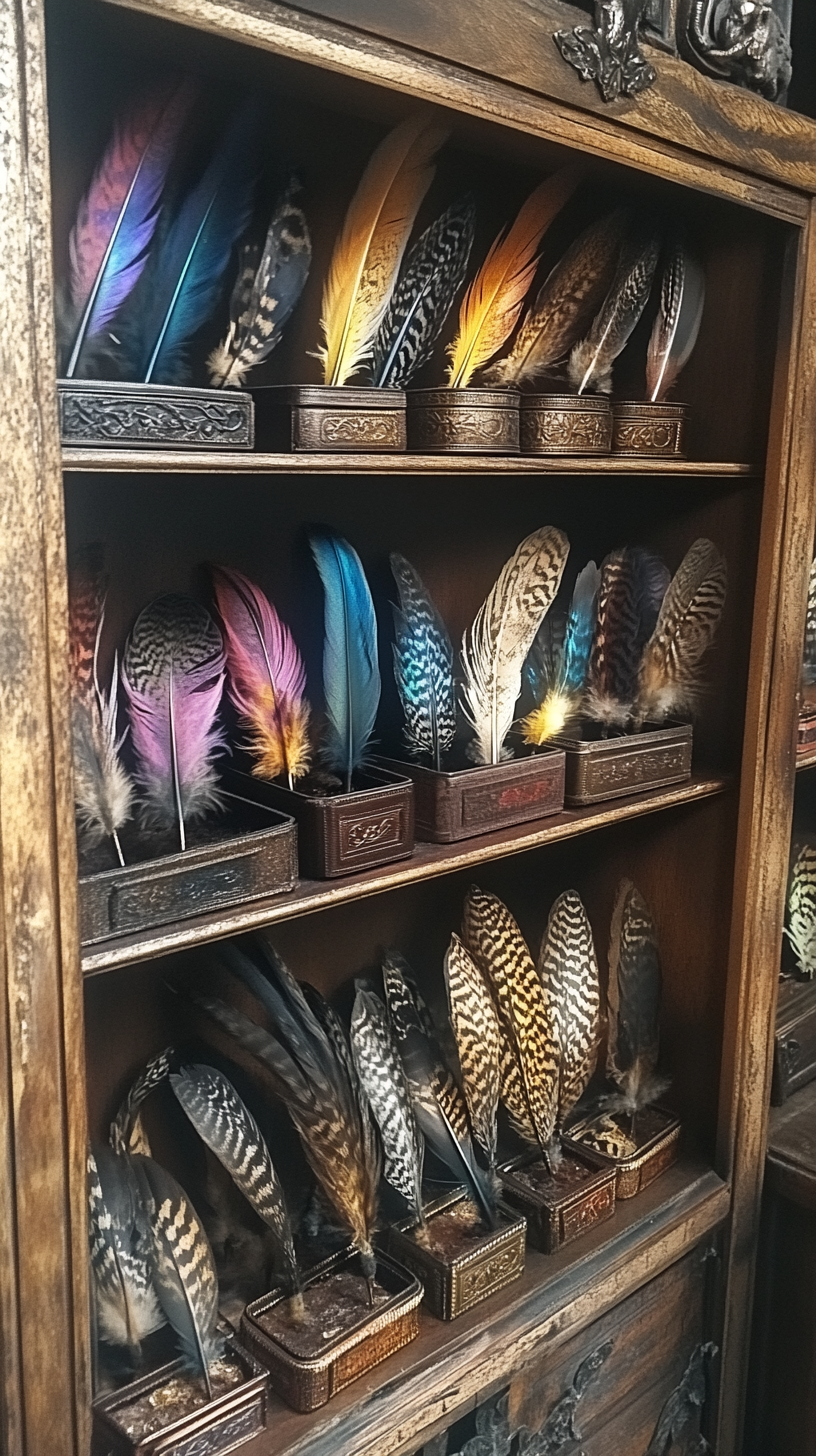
410 1396
427 861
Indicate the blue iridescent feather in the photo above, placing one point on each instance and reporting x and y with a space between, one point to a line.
423 667
351 673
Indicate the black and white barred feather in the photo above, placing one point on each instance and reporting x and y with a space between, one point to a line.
127 1310
568 968
478 1039
423 667
383 1080
669 677
809 652
801 910
127 1134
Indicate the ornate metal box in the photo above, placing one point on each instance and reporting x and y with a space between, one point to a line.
456 1281
565 424
468 801
608 768
637 1167
463 421
559 1208
319 418
153 416
648 429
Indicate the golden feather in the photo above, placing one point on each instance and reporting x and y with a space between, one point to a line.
478 1040
490 309
368 253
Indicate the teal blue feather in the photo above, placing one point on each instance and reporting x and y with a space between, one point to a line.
351 673
580 627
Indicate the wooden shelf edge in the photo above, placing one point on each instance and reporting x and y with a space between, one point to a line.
806 759
235 462
427 861
452 1366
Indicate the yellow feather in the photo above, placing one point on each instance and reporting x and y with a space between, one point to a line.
280 744
549 718
491 307
368 253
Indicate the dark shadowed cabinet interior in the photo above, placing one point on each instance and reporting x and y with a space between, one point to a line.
657 1299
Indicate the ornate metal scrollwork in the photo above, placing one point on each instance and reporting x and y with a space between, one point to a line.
609 53
744 41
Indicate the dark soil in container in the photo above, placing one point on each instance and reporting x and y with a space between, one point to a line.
175 1399
452 1232
552 1187
335 1306
141 845
613 1134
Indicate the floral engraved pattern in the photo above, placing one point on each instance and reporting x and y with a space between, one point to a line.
566 432
590 1209
476 1281
101 419
659 434
350 429
494 429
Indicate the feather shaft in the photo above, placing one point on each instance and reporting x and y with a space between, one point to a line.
675 331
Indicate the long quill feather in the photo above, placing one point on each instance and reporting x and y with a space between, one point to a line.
633 1003
682 297
423 667
590 363
478 1040
632 586
351 673
126 1304
568 968
669 677
383 1080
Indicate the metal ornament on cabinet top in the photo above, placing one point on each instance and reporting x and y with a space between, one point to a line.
743 41
609 53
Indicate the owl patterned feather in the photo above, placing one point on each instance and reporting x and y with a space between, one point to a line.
682 296
423 667
494 649
632 586
633 1002
127 1309
669 677
558 673
568 968
478 1040
381 1074
590 363
127 1134
801 910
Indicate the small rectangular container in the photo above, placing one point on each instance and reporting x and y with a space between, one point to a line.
642 428
254 855
222 1424
598 769
806 730
308 1382
565 424
794 1039
93 412
463 421
322 418
559 1208
469 801
340 834
656 1146
455 1281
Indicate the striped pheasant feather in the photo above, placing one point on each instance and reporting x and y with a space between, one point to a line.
380 1071
568 968
478 1040
127 1132
669 678
632 586
801 910
407 1008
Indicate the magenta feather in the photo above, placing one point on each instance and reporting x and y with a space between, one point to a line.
266 676
173 675
117 217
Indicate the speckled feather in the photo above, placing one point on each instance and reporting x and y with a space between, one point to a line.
591 361
632 586
127 1309
423 667
407 1009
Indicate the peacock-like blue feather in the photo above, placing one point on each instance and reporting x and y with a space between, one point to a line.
351 673
423 666
557 670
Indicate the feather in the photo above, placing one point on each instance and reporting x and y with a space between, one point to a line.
495 647
809 651
801 910
559 677
117 216
379 1069
127 1134
590 362
260 309
669 678
351 673
230 1131
478 1040
127 1309
182 1266
682 297
266 677
632 586
490 309
183 284
368 252
423 667
633 1003
568 968
408 1012
565 306
530 1058
433 274
173 675
429 1083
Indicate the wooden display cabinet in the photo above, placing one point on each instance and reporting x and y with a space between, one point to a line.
710 855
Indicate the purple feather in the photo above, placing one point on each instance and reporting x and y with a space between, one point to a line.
173 675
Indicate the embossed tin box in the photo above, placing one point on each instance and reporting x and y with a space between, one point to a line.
468 801
339 834
485 1261
565 424
806 729
463 421
308 1382
222 1424
648 429
608 768
794 1038
93 412
317 417
250 851
559 1207
637 1162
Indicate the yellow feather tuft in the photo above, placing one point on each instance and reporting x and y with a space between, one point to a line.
280 737
368 253
491 307
549 718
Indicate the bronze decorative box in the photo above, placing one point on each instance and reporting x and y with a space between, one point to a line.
245 853
806 730
463 421
794 1038
307 1381
559 1206
211 1428
463 1261
339 834
318 417
648 429
565 424
153 416
630 763
637 1161
468 801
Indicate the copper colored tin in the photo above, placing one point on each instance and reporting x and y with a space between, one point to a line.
317 417
634 1170
559 1209
598 769
307 1384
648 429
463 421
153 416
565 424
468 801
221 1425
455 1284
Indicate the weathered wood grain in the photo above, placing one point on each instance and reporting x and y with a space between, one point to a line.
182 462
